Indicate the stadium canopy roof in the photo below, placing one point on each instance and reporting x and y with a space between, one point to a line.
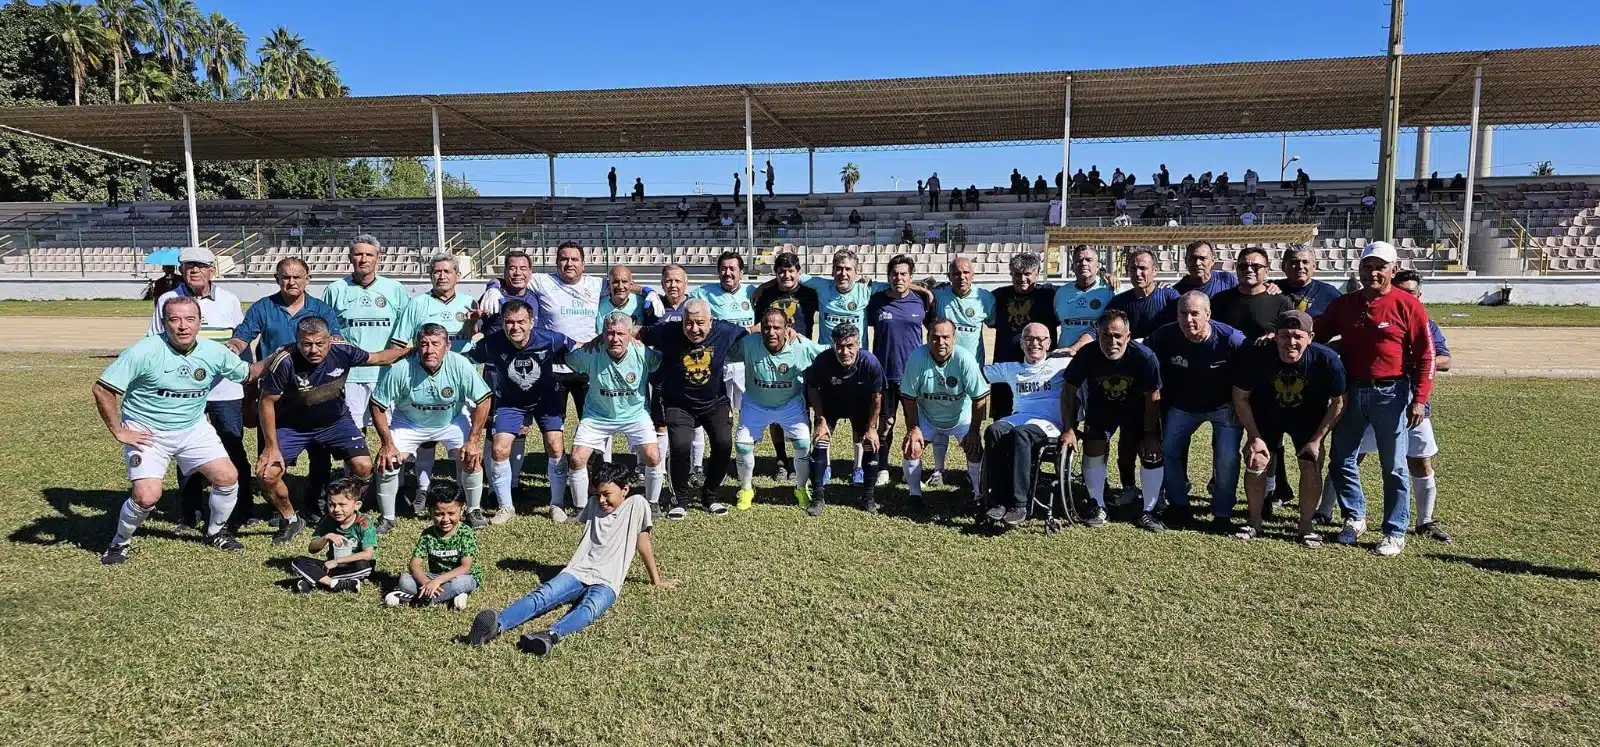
1521 87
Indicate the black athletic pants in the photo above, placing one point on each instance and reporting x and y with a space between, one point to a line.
1008 457
681 424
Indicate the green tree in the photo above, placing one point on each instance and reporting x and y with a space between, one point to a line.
172 21
127 25
1544 168
148 84
222 50
77 35
285 66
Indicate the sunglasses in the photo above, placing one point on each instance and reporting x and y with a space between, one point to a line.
1254 267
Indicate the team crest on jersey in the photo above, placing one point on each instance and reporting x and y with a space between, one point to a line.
633 378
851 306
971 311
1094 303
1115 388
303 382
1289 390
697 366
783 368
365 301
447 392
788 306
1018 310
523 372
199 374
380 301
134 460
950 381
461 316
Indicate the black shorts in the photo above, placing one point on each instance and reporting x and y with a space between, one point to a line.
891 400
658 409
1101 429
1000 399
574 384
1299 432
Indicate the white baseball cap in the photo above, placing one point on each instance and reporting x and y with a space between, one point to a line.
196 254
1382 250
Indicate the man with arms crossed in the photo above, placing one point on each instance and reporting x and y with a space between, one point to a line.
1120 382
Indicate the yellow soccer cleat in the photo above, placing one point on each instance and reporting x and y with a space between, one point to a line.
745 495
802 495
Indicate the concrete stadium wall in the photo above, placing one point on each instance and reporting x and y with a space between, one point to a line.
1525 291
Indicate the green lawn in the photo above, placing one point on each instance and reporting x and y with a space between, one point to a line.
1472 315
103 307
848 629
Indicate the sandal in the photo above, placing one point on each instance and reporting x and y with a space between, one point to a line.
1246 533
1311 540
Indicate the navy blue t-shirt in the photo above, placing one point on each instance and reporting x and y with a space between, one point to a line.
1114 389
1312 298
1195 376
849 388
523 374
896 329
668 315
691 373
1220 281
1146 313
312 397
1286 395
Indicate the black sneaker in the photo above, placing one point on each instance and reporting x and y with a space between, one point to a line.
1148 522
1433 531
1096 517
419 509
815 508
1176 517
302 586
485 628
538 644
223 540
287 532
1014 517
116 554
655 512
346 584
476 519
871 506
385 526
782 474
250 521
1221 525
995 514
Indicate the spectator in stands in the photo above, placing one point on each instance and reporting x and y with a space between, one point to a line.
726 220
795 218
958 199
959 236
907 236
1420 189
1459 183
1117 177
1163 179
1248 217
1222 184
855 221
1041 189
683 209
1186 187
972 197
1369 199
1094 182
1060 176
773 222
922 191
1311 205
1200 258
1233 215
113 186
933 192
736 186
1151 215
638 189
1435 183
158 287
772 178
1078 181
714 212
1121 220
1302 181
1128 183
1019 185
1251 180
611 180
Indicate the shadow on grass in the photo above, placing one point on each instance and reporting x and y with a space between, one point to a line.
379 578
1520 567
84 518
544 571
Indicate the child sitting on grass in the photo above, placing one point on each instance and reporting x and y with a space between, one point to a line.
444 567
614 526
351 542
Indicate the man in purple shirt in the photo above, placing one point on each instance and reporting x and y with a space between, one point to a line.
898 317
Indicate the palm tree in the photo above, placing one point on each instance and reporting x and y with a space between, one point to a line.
323 79
173 22
1544 168
76 32
222 48
850 174
148 84
127 25
285 65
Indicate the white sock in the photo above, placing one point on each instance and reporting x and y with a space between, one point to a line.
746 461
223 499
661 451
425 459
502 482
473 482
128 521
860 450
578 480
519 449
556 470
388 490
652 477
1150 483
1094 478
697 450
1426 490
941 450
605 450
913 470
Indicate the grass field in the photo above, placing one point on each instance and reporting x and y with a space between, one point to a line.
848 629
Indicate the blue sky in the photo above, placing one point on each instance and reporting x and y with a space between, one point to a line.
426 46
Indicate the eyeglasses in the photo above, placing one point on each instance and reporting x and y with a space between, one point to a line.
1254 267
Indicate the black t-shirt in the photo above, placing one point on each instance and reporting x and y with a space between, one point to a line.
798 303
1114 389
1013 311
1285 395
691 373
311 397
846 389
1253 315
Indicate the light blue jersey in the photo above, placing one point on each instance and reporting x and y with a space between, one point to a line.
451 313
165 389
736 306
970 313
1078 309
773 380
616 387
428 401
944 391
837 308
634 308
366 316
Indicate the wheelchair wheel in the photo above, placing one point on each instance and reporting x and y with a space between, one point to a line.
1052 525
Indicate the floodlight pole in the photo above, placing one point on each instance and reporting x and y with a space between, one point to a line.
1066 151
1472 168
188 172
438 178
811 171
551 158
749 174
1384 229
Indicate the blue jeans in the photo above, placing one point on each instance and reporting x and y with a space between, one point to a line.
1226 434
593 601
453 588
1383 408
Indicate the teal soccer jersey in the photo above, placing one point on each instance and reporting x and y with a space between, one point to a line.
970 313
773 380
164 389
427 400
736 306
634 308
1078 309
366 315
944 391
616 387
427 309
838 308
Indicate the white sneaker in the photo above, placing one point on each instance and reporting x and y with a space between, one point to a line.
883 478
1390 545
503 515
935 480
396 598
558 514
1352 531
459 602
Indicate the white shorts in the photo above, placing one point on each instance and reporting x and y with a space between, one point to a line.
356 397
733 378
930 432
594 434
1419 441
192 447
755 419
407 437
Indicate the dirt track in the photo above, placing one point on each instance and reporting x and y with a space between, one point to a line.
1552 352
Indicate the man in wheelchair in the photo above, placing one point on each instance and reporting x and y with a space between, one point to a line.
1012 442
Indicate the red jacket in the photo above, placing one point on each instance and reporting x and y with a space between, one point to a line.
1381 337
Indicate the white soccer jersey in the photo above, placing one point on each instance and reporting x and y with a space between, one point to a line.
568 309
1037 388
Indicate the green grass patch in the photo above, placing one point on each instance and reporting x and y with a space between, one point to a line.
97 308
848 629
1472 315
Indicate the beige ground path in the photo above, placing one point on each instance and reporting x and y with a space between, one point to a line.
1557 352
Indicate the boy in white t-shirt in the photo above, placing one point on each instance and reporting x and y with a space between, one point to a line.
614 526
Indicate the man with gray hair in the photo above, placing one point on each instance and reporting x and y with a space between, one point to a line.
845 383
443 306
617 403
1025 301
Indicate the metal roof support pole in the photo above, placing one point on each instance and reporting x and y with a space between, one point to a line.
188 172
811 171
1384 228
333 180
1066 175
551 158
1472 168
1424 146
438 178
749 177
